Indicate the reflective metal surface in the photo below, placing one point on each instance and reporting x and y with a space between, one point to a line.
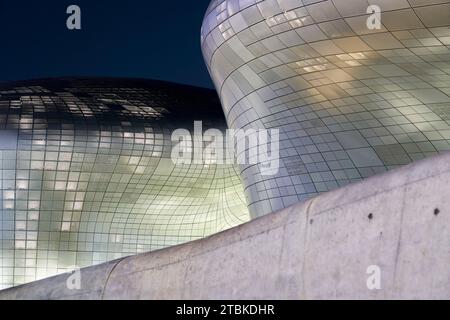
86 174
350 101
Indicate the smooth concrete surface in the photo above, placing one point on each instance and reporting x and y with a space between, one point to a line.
320 249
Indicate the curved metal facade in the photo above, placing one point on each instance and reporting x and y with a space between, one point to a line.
86 174
350 101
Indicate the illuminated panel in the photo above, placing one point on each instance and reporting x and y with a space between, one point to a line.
86 174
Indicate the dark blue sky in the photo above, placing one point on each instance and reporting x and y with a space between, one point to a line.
156 39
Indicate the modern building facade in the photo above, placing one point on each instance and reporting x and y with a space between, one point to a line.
353 93
86 167
86 174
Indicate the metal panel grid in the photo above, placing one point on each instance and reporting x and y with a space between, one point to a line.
86 174
350 102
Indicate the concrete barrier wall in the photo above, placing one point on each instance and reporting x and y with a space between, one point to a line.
397 224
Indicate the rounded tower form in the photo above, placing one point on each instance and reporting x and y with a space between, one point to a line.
356 87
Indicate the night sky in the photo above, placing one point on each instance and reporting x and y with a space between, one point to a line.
155 39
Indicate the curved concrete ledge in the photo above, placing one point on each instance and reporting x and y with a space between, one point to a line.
321 249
